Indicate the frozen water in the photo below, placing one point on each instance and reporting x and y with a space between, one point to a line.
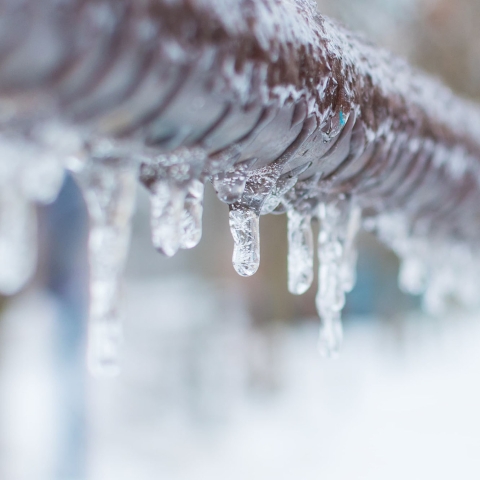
339 224
18 239
108 186
331 335
331 113
191 223
300 252
167 208
350 254
231 184
245 228
412 275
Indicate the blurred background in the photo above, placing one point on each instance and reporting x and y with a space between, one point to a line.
221 376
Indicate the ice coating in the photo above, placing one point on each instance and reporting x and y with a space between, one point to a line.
231 184
300 252
284 184
412 276
108 186
245 228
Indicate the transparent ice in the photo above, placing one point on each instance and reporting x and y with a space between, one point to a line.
245 228
18 239
167 209
231 184
108 186
191 223
339 223
300 252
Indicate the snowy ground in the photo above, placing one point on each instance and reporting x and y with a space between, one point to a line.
203 396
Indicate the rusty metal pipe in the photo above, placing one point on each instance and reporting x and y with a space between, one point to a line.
267 80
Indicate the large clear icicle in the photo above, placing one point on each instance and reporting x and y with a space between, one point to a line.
191 224
109 188
167 209
339 224
245 228
18 245
300 252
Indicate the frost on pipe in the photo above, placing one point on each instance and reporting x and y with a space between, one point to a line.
276 105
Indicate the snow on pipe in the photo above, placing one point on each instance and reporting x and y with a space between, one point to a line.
276 105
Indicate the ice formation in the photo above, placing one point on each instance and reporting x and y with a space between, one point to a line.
289 113
339 224
245 228
300 252
108 186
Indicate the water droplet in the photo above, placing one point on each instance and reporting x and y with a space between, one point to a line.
244 225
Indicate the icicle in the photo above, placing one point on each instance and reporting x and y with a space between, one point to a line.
56 146
348 269
191 224
339 223
109 190
412 276
436 296
18 249
42 177
167 206
244 225
331 335
300 252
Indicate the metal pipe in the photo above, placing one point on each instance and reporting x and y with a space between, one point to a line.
241 80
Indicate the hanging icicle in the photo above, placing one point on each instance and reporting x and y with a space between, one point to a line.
339 224
167 207
18 239
108 186
300 252
191 223
245 228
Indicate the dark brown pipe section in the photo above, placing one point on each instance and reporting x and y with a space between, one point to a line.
268 82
